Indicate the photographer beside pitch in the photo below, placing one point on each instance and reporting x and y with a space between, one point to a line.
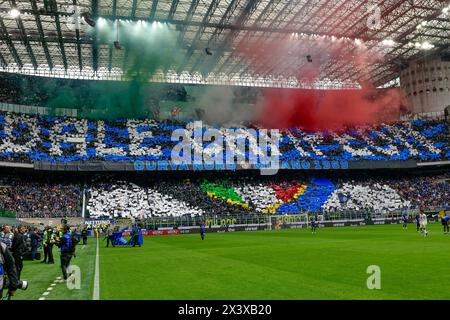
18 248
7 269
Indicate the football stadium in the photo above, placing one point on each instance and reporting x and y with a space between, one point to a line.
224 150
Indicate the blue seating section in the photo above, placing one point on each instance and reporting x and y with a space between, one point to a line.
29 138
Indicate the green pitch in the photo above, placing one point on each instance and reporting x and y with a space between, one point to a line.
288 264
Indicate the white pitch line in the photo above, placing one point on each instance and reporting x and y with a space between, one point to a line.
82 248
96 295
49 289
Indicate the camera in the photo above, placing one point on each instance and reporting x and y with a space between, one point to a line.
22 284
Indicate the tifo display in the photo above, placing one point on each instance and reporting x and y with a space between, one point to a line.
152 196
28 138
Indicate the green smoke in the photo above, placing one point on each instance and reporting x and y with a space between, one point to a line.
146 48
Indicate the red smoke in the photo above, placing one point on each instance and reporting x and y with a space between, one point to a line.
332 110
319 110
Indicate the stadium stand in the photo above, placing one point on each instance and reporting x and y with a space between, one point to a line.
32 195
253 194
28 138
128 200
39 197
379 197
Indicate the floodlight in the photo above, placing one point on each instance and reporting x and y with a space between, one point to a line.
14 13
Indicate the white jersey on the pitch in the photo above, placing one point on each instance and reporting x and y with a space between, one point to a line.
423 219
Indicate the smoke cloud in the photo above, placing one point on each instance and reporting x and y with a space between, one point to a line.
319 110
328 110
147 48
217 102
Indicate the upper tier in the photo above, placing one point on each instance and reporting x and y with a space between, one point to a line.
28 138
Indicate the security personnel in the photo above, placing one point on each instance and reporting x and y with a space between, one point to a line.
49 241
54 236
44 243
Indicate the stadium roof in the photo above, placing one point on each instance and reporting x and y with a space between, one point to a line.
42 41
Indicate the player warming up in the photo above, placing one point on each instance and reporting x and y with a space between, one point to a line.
202 231
444 222
417 218
423 223
313 225
405 221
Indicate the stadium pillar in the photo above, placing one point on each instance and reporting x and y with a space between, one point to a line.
83 205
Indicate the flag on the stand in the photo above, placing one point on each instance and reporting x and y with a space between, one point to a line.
175 112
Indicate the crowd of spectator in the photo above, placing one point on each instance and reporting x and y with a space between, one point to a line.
28 138
15 90
203 194
255 194
39 199
426 191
